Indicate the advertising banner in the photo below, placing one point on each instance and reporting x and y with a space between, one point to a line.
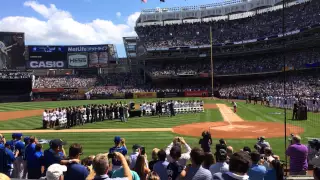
43 90
71 90
46 64
77 60
196 93
145 95
119 95
12 50
97 54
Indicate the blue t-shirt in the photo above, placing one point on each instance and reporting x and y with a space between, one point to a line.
160 168
51 157
7 157
271 175
1 145
30 150
36 160
19 145
123 150
76 171
257 172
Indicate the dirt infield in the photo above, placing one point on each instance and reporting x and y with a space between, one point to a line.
4 116
235 127
210 106
238 130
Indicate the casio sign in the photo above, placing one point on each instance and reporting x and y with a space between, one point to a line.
47 64
78 60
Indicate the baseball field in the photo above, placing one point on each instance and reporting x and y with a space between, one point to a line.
239 129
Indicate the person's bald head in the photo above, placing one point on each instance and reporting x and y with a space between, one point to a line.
229 150
296 139
4 177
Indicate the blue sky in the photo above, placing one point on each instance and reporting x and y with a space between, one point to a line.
78 21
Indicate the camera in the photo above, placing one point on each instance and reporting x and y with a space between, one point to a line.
314 144
111 155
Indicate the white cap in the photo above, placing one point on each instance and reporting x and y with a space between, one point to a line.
55 171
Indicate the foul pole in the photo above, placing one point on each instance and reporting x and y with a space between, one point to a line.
211 61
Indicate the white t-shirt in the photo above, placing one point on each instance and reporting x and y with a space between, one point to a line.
54 117
45 116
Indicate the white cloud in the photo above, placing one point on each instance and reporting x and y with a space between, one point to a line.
59 27
118 14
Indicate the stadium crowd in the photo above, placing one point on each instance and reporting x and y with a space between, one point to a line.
24 158
297 85
239 65
65 81
224 31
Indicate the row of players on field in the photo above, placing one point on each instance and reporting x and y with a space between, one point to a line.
313 104
99 112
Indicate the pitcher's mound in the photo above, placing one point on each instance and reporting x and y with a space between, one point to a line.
238 130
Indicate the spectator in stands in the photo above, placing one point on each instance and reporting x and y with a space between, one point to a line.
101 167
55 172
208 160
75 170
141 167
160 167
175 169
239 165
56 155
256 171
34 159
275 171
183 158
116 164
221 165
196 171
19 148
8 158
134 155
263 144
120 172
154 156
298 154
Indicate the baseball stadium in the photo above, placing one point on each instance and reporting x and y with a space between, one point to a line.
234 79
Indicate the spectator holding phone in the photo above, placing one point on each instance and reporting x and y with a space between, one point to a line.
183 158
257 171
116 164
298 154
175 169
101 166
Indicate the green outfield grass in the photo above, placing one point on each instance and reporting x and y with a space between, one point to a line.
101 142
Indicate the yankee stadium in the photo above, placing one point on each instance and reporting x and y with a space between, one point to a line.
207 89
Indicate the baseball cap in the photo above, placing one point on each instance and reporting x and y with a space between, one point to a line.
117 139
56 143
27 138
55 171
136 146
